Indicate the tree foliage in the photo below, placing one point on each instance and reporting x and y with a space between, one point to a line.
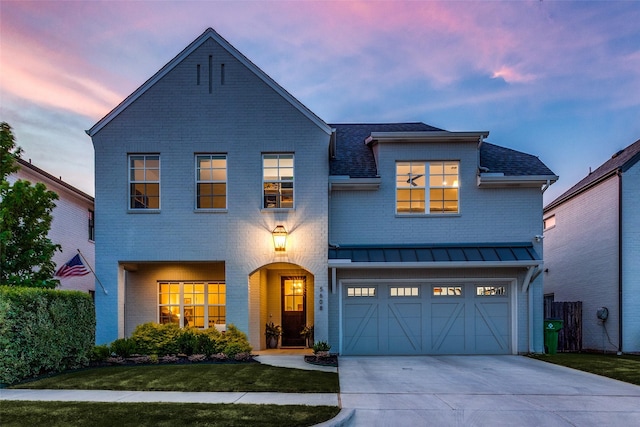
25 219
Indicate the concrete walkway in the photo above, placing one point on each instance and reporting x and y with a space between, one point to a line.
481 391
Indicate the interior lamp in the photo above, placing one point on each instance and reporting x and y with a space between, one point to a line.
279 238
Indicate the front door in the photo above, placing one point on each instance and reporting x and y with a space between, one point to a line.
294 309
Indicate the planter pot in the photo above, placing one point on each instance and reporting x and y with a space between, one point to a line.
272 342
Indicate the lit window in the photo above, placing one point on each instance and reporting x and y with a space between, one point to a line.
144 181
277 178
211 181
490 290
360 291
196 304
549 222
414 180
447 290
412 291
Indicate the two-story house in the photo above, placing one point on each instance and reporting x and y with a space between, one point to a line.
72 224
222 199
592 251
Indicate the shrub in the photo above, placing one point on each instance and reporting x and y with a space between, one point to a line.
44 330
100 353
154 338
235 341
124 347
321 347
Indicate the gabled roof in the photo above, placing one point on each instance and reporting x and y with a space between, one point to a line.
355 159
58 181
208 34
619 162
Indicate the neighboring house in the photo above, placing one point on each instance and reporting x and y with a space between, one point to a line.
72 226
400 238
592 251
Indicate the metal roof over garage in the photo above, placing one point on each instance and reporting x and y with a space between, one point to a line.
481 255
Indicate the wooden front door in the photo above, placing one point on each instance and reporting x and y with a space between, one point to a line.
294 310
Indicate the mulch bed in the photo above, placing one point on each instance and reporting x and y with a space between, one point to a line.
331 360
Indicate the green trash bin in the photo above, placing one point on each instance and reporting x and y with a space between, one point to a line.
551 329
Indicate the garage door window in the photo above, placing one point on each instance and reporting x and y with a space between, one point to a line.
487 291
451 291
412 291
360 291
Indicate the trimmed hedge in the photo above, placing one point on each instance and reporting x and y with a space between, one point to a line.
44 330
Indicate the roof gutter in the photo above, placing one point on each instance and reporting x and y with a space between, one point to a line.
428 136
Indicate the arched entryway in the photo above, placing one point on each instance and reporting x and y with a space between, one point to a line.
281 293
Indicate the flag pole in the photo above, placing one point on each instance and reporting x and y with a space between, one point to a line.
94 273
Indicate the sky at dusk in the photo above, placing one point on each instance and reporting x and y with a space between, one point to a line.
560 80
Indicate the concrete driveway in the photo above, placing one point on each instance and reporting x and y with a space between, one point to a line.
482 391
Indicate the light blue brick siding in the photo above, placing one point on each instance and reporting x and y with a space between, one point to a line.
486 215
581 255
631 259
177 118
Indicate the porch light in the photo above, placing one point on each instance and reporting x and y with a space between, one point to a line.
279 238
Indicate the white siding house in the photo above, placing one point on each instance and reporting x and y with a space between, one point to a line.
592 251
200 166
72 225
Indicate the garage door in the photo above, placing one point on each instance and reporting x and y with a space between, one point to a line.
463 318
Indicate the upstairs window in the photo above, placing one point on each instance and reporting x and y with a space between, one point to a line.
144 181
92 225
422 184
211 181
277 181
549 222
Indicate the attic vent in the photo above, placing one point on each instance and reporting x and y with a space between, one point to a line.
221 74
617 154
198 74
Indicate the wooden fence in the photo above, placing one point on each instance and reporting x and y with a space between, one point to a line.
570 336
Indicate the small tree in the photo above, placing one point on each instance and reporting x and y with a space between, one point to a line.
25 220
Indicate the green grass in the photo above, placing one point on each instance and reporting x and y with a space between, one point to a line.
20 413
624 368
249 377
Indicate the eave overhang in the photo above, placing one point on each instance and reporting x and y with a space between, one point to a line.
346 183
348 264
428 136
493 180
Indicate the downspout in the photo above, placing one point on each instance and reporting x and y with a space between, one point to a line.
547 185
620 323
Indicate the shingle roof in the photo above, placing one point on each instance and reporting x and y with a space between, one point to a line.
622 161
511 162
436 253
355 159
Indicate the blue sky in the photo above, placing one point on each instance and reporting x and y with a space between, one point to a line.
560 80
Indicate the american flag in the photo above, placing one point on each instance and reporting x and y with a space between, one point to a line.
74 267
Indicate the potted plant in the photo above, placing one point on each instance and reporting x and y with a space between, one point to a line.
321 349
307 333
272 332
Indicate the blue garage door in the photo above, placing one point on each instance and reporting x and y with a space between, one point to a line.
391 319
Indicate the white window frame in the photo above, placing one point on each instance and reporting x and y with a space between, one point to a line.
198 179
181 301
425 182
278 180
145 180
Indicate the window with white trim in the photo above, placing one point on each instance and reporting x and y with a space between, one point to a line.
144 181
435 184
451 291
549 222
404 291
361 291
211 181
277 181
196 304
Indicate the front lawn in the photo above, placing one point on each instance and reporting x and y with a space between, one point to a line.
243 377
96 414
624 368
